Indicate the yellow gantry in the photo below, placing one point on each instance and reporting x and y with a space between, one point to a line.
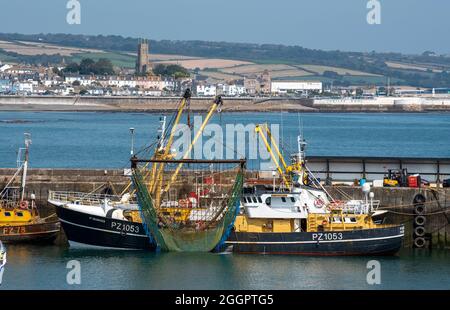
211 111
259 129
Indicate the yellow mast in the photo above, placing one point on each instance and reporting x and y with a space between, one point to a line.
272 155
275 146
154 185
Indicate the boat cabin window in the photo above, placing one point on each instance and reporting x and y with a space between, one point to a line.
7 213
248 200
268 201
259 199
254 199
283 199
293 199
19 214
350 220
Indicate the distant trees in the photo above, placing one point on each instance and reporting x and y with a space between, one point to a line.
175 71
102 66
332 75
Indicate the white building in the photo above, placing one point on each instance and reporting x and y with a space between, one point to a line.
83 80
282 87
25 87
4 67
206 90
231 90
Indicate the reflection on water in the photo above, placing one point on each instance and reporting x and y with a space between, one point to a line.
34 267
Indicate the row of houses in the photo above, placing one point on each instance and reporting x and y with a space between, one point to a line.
141 82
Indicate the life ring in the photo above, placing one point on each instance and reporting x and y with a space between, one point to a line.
420 220
419 242
419 231
23 205
419 209
319 203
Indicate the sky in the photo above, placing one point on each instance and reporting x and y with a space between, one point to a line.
407 26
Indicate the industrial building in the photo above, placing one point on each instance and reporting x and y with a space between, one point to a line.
282 87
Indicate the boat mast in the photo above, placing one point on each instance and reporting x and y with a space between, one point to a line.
25 166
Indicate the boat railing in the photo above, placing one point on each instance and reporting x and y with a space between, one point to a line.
360 207
9 204
85 198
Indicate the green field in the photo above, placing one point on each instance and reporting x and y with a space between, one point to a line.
118 59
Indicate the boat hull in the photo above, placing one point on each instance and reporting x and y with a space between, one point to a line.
98 231
30 233
379 241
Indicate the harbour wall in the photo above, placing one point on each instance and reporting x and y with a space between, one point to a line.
148 104
397 200
231 104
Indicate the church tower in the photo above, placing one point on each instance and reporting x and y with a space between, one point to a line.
143 63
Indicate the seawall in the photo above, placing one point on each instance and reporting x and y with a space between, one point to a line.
147 104
231 104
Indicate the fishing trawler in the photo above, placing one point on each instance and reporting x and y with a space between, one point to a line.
300 217
102 221
19 218
93 220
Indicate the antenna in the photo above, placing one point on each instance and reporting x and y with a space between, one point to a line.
132 141
25 165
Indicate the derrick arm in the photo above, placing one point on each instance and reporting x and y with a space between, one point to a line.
272 155
217 102
275 146
158 171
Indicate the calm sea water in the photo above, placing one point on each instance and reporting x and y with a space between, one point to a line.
33 267
101 140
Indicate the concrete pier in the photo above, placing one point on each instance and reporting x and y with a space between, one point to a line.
397 200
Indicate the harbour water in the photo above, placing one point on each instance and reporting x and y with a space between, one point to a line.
101 140
33 267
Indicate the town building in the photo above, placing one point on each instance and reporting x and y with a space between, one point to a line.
5 85
230 90
258 84
251 85
283 87
206 90
265 82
